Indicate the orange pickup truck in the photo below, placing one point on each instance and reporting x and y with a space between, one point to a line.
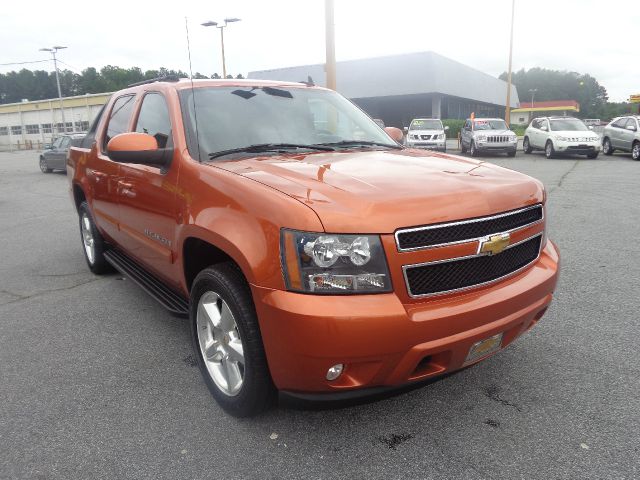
312 254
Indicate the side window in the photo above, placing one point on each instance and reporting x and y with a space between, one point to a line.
56 143
631 122
544 125
154 119
535 123
119 118
64 144
467 125
620 122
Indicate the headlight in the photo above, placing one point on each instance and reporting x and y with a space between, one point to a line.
441 136
513 138
482 138
333 264
561 138
595 139
415 137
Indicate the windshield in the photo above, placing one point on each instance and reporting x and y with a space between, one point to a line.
426 124
568 124
490 125
236 117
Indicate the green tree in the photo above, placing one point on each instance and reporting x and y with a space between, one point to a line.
561 85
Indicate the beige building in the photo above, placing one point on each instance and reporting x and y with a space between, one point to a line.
29 125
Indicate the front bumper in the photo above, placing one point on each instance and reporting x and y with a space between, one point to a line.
501 147
577 148
385 343
439 145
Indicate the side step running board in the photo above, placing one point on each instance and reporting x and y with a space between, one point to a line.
168 298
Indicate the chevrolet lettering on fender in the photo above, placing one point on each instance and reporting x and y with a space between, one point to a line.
311 253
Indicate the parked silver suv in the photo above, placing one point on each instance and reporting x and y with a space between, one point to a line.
622 133
487 135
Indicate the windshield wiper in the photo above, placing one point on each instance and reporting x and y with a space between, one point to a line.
361 143
270 147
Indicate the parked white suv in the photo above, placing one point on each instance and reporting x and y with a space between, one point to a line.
427 133
491 135
557 135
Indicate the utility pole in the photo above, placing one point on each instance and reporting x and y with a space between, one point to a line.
53 51
330 39
532 91
507 116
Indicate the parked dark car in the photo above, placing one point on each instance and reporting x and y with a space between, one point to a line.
55 157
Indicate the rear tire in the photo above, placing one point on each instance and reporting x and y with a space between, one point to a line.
635 150
227 342
44 168
549 151
526 145
607 149
93 244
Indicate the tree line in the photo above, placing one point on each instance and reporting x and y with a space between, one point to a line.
563 85
41 85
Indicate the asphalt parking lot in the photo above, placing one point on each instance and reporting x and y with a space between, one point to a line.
98 381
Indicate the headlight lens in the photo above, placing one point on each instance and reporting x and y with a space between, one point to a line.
333 264
482 138
441 136
561 138
545 235
415 137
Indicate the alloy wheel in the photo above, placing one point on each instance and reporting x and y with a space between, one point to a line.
87 239
635 151
220 343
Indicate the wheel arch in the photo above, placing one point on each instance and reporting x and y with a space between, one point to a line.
78 195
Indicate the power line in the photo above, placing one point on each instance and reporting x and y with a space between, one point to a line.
70 66
22 63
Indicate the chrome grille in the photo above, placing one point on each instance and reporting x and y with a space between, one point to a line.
446 276
498 139
466 230
425 137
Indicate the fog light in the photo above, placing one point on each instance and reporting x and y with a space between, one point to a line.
335 371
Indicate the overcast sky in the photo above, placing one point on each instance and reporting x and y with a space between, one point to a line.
588 36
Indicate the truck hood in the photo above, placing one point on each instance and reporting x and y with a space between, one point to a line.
381 191
574 134
494 132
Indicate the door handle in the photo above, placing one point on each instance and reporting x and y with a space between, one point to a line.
95 174
126 189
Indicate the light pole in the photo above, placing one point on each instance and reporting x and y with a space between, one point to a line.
227 21
532 91
53 51
330 40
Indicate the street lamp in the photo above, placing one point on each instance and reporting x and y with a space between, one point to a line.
227 21
53 51
532 91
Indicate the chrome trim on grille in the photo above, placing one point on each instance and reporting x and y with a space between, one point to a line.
461 222
417 265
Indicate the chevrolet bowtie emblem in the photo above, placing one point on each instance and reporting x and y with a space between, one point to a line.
494 244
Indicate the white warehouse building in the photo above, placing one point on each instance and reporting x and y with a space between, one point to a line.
29 125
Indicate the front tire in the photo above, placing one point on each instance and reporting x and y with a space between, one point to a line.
93 244
607 149
549 151
526 145
593 155
635 150
227 342
463 149
44 168
511 154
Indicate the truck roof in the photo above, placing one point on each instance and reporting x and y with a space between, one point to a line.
185 83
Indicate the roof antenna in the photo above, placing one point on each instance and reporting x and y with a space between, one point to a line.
309 82
193 94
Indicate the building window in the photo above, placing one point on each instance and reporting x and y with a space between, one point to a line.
521 119
16 130
69 126
47 128
31 129
4 131
82 126
59 128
